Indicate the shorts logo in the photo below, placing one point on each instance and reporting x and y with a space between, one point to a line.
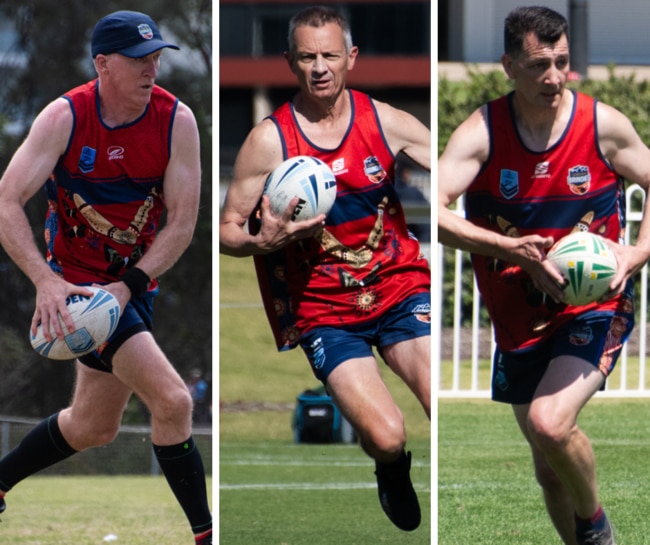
579 179
87 159
509 183
500 380
317 354
422 313
145 31
581 336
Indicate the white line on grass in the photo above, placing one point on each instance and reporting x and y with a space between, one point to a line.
297 486
308 486
301 463
484 485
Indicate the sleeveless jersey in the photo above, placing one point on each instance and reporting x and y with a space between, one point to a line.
106 192
520 192
365 260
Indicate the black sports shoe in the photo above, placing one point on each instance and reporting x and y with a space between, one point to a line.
603 534
396 494
3 505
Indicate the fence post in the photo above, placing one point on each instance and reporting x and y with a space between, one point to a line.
5 432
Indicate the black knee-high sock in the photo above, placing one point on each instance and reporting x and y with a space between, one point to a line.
40 448
183 468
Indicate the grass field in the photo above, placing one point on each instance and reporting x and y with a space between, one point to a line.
487 494
274 492
271 490
70 510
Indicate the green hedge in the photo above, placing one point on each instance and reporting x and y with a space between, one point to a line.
458 99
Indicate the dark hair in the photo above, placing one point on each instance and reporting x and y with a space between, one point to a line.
317 16
548 26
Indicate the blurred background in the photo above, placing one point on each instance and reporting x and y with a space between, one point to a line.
394 66
271 489
43 54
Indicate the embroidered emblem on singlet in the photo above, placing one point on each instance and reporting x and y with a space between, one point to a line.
87 159
373 169
509 183
579 179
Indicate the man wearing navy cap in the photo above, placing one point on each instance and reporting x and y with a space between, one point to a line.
107 151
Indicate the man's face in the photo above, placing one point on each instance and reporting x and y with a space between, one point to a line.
134 78
320 60
540 71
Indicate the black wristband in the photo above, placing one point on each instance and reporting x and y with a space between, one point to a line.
136 280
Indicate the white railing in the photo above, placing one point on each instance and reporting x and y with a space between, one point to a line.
465 353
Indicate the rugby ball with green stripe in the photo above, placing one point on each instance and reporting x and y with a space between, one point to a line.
587 264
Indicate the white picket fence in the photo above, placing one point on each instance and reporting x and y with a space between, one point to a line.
465 353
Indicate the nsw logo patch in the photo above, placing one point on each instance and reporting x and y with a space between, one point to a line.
87 159
509 183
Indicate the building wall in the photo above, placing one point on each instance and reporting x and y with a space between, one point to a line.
617 30
394 63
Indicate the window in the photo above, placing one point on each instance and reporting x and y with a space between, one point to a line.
378 28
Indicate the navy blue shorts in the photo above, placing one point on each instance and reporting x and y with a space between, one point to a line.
327 347
596 337
137 317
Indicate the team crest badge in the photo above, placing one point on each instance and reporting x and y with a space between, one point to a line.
509 183
579 179
422 313
581 336
145 31
373 169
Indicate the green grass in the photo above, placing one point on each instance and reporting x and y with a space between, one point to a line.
274 492
271 490
278 493
487 494
83 510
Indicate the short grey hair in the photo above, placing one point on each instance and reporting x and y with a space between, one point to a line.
316 17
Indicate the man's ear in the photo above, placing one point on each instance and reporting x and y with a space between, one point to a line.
506 62
101 64
352 56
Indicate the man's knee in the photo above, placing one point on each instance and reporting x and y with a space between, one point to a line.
85 432
548 433
172 404
384 440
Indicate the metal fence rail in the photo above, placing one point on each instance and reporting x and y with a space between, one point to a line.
130 454
465 353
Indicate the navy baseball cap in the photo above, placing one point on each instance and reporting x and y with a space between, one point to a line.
128 33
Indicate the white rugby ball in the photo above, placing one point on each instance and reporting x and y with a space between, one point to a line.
307 178
95 319
587 264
